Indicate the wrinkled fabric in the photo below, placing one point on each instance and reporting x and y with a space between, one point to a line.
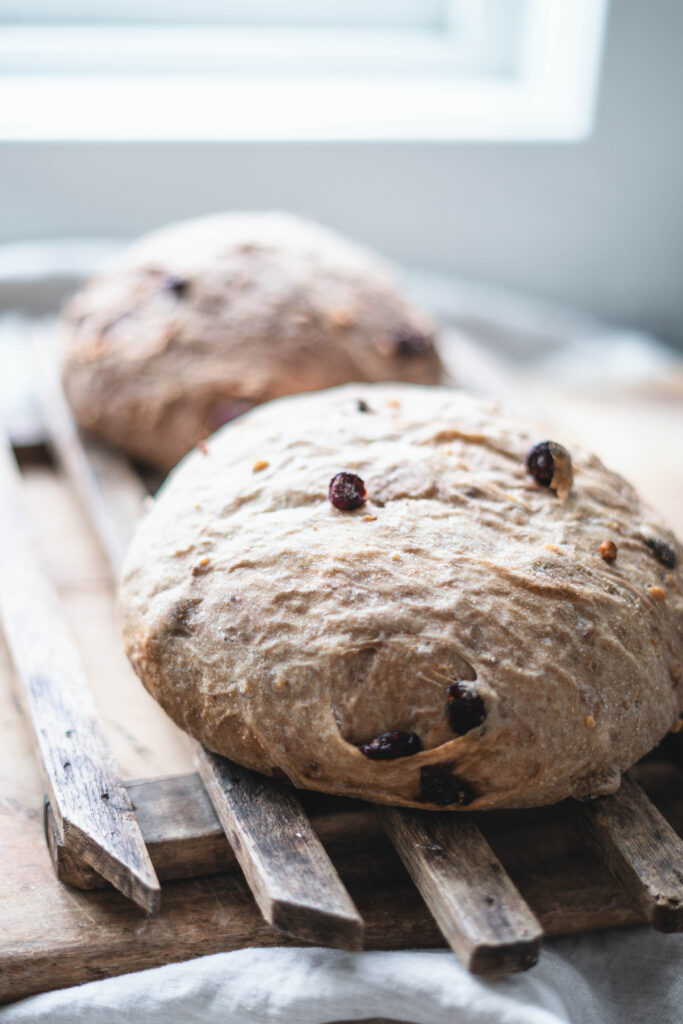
630 976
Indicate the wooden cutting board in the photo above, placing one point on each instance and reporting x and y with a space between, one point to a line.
52 935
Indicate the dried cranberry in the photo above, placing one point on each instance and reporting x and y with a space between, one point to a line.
175 285
551 466
391 745
438 786
408 342
465 708
347 491
662 551
539 462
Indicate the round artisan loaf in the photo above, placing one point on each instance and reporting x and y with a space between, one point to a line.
478 633
200 321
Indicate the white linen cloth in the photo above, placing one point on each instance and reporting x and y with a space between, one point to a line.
626 976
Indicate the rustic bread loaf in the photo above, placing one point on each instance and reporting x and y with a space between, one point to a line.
394 592
200 321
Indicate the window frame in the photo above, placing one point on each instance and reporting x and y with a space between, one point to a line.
423 93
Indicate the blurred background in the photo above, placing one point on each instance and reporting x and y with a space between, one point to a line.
521 159
531 144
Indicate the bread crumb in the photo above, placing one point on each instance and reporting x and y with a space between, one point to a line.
553 547
590 722
369 519
259 465
203 447
608 550
314 527
393 404
197 506
657 593
677 726
395 556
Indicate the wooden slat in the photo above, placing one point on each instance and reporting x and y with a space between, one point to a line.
185 839
291 877
478 909
642 850
324 912
91 807
115 485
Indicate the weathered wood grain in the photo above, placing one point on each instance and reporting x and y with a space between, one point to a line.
478 909
288 871
91 807
302 895
53 935
642 850
185 839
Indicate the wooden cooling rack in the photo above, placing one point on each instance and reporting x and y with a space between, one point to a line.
133 836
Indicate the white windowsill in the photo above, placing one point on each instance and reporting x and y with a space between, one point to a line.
212 108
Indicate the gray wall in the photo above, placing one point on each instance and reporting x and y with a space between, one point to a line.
597 223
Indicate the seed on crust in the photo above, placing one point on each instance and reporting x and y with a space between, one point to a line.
551 466
608 550
465 708
657 593
347 491
590 722
390 745
259 465
439 786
